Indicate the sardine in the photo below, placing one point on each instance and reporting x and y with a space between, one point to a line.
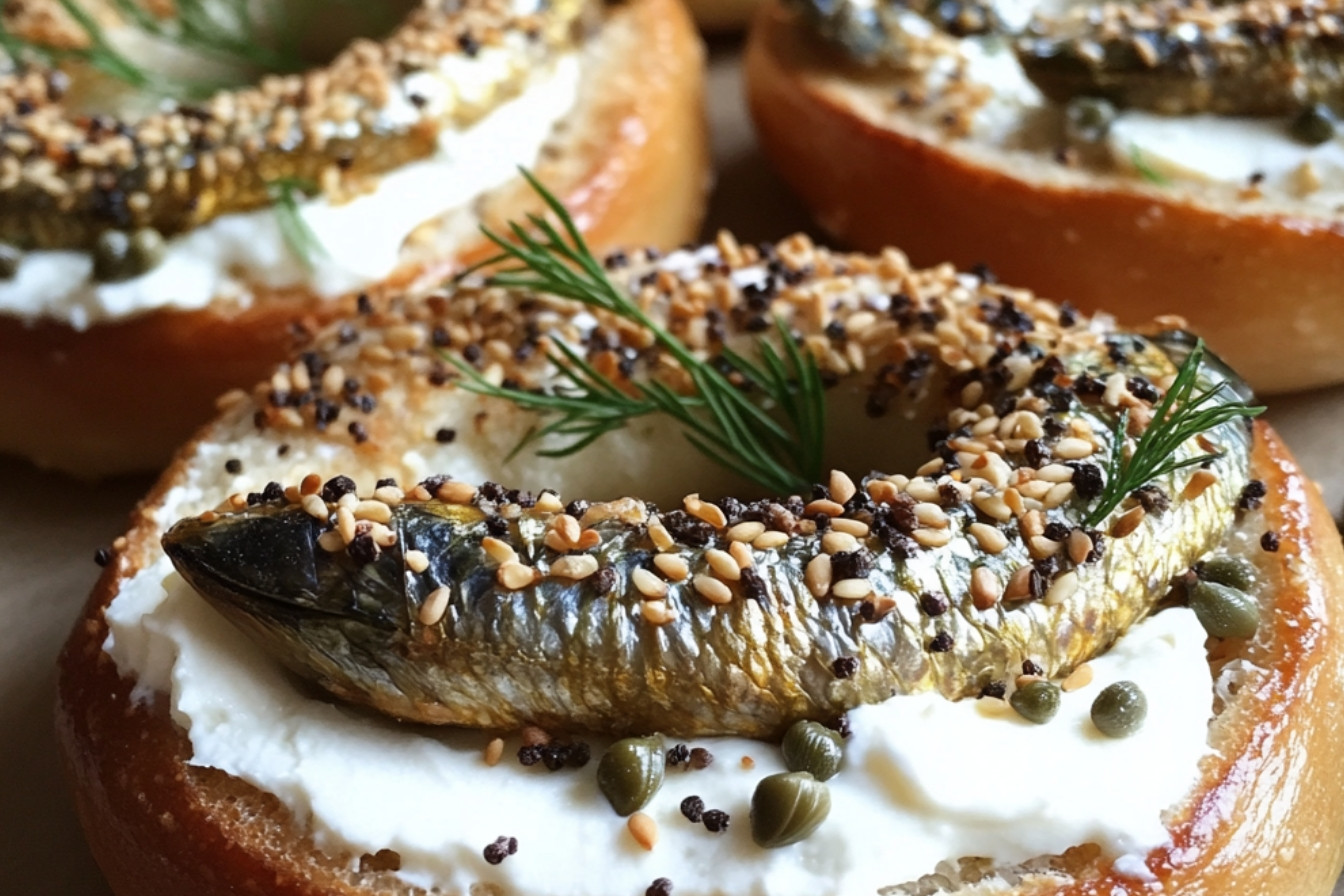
480 607
69 177
1179 57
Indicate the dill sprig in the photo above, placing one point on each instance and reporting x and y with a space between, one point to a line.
286 194
1146 171
768 427
1181 415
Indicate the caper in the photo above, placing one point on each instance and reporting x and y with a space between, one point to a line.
630 773
146 250
1087 119
10 257
1224 611
1235 572
1120 709
1314 125
1036 701
787 808
812 747
118 255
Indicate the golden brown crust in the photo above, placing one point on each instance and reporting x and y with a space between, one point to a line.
1263 289
1266 820
631 163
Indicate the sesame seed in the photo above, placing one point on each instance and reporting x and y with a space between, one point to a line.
724 565
515 576
985 588
1080 678
748 531
841 487
644 829
851 589
649 585
673 566
576 566
712 589
767 541
499 551
990 538
435 606
657 612
1128 522
817 575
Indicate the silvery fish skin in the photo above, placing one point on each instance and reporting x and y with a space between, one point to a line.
1176 57
583 653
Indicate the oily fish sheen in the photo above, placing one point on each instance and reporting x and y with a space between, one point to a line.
915 767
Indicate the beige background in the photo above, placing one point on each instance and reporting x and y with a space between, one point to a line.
51 526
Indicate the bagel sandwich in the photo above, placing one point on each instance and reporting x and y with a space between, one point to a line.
429 640
1145 160
179 203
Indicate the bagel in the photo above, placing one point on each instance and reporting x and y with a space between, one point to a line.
1222 218
602 101
197 761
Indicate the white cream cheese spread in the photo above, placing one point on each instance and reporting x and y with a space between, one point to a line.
360 241
923 780
1257 154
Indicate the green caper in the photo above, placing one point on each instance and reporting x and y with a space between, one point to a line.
118 255
1224 611
1087 119
1036 701
109 256
145 251
10 257
812 747
787 808
1120 709
1314 125
631 772
1235 572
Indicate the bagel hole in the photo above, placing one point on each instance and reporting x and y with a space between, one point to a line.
651 459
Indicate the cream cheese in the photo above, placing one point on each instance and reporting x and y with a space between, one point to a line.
924 779
361 240
1234 152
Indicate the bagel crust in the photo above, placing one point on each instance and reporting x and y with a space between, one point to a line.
630 162
1268 786
1262 287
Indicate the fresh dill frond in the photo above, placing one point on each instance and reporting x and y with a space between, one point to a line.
769 427
1146 171
1181 415
286 194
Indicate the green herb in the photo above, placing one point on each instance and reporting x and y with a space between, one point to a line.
1146 171
1181 415
287 193
768 427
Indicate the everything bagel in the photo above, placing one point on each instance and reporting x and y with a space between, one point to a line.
1201 182
170 253
992 566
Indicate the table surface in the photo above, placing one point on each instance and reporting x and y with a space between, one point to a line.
51 526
